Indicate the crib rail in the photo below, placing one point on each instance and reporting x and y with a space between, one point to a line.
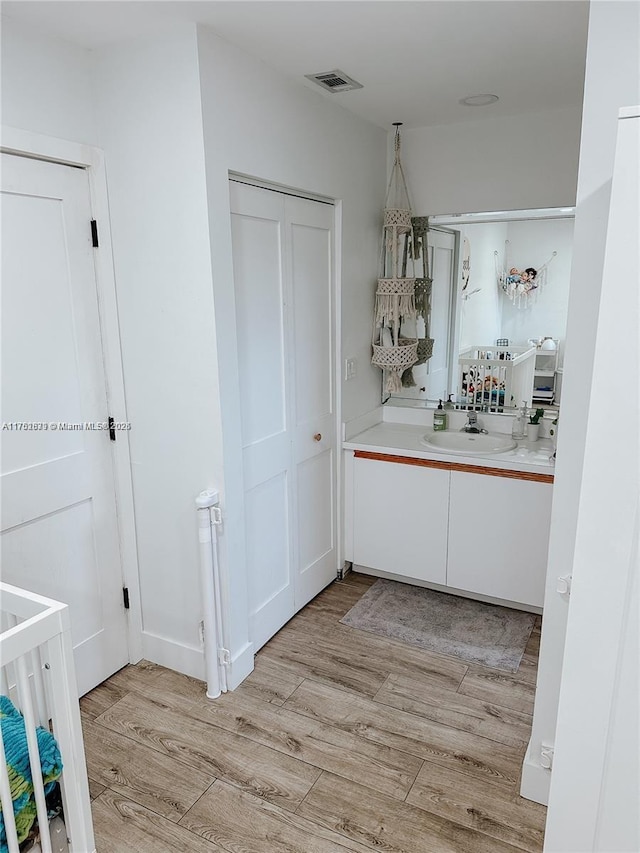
37 674
495 378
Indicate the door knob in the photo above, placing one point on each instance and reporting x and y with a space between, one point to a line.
317 436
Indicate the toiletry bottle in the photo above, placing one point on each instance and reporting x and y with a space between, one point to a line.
519 425
439 418
450 404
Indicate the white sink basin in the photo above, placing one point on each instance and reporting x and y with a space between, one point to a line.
468 443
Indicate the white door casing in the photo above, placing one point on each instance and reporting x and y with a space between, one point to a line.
441 247
285 317
60 532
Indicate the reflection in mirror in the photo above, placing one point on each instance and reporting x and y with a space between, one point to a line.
498 311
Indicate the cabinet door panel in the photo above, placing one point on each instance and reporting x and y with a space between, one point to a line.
499 536
400 519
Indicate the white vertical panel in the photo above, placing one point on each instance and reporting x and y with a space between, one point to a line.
514 516
311 276
259 309
65 543
310 232
38 332
389 497
267 532
315 505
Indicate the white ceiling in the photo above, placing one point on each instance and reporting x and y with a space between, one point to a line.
415 58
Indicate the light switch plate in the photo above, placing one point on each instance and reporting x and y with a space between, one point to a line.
350 368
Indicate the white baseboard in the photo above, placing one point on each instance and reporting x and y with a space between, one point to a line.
536 780
241 666
173 655
190 661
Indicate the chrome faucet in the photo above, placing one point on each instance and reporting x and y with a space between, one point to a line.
472 424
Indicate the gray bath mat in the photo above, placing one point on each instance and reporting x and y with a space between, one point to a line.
481 633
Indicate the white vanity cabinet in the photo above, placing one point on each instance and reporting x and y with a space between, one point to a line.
400 514
472 528
499 536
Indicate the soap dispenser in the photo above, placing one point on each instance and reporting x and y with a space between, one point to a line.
450 404
439 418
519 425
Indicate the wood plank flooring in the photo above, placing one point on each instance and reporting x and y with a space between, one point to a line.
338 741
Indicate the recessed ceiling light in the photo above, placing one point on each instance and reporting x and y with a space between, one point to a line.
478 100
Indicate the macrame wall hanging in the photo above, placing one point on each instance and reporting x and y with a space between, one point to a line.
465 293
522 286
466 263
395 294
424 284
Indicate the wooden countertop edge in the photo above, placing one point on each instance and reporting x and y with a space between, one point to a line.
455 466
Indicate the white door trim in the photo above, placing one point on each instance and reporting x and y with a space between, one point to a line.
337 320
34 145
280 188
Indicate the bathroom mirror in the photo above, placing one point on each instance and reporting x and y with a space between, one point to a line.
500 289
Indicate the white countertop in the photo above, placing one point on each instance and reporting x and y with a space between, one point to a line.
404 440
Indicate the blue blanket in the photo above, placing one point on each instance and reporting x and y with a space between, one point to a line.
17 758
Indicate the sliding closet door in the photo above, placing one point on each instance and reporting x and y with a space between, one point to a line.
310 257
282 255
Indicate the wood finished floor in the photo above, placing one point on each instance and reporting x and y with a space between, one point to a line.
338 741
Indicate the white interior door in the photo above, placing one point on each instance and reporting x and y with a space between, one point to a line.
283 278
441 256
58 520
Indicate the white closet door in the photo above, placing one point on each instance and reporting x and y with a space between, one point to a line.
310 256
282 256
257 231
59 525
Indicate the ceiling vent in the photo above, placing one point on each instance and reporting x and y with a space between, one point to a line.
334 81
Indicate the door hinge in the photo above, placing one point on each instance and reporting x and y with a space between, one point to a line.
112 429
125 597
94 234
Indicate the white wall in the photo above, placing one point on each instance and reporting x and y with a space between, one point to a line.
611 82
141 101
531 245
493 164
595 784
258 123
480 312
147 95
261 124
46 84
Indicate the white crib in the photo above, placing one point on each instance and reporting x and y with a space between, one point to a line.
37 674
495 378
